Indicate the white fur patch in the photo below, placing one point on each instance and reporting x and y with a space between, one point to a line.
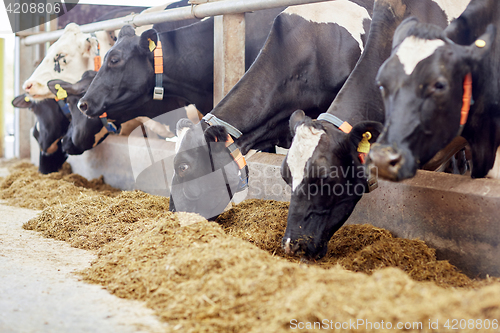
413 50
495 171
304 143
342 12
452 8
79 50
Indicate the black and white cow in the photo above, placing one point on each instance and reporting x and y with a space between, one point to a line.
324 165
426 92
127 76
51 125
308 55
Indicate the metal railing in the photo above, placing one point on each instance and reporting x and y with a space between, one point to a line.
176 14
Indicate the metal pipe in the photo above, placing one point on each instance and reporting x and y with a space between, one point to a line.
176 14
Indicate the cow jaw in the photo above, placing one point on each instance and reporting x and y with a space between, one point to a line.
303 146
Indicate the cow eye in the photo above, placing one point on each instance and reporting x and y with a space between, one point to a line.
114 60
183 167
439 85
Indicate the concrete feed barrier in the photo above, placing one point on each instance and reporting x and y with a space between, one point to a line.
456 215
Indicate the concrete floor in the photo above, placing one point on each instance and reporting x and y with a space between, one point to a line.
40 293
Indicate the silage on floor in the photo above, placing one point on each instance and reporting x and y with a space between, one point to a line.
207 277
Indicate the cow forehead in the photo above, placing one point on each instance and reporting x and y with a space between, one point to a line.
69 42
413 50
303 146
348 15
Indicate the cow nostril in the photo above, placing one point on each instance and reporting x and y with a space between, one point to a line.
83 106
29 86
394 159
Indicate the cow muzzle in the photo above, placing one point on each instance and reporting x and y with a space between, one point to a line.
387 163
37 91
304 247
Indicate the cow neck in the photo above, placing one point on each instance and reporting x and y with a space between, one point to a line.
240 161
234 151
157 50
188 63
344 126
108 125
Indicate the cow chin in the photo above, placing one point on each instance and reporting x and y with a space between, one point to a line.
391 163
69 147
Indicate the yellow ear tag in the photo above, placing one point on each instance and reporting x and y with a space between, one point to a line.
480 43
364 144
61 93
26 99
152 45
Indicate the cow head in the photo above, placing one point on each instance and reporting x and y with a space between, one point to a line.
327 177
126 78
423 84
51 124
205 173
49 128
83 133
66 59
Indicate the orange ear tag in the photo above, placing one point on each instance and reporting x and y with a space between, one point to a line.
97 63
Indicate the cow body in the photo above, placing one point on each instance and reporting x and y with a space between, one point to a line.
424 96
127 77
324 166
308 55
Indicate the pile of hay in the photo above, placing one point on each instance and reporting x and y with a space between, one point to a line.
359 248
91 221
26 187
199 279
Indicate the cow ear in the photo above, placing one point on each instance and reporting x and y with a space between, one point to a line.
297 118
90 46
403 30
216 133
182 125
78 88
56 86
126 31
22 101
358 137
149 40
482 46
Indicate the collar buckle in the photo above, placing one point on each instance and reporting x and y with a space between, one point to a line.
371 183
158 93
